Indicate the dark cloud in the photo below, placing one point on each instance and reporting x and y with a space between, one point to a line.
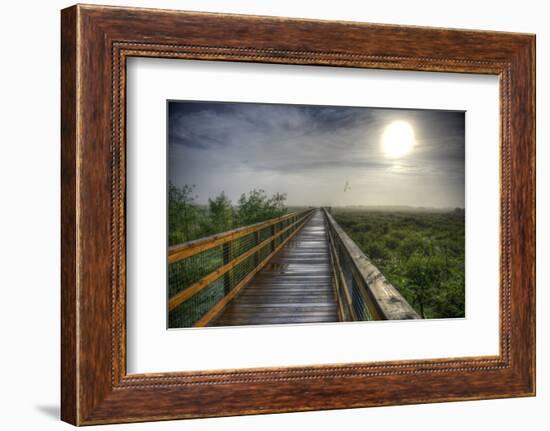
238 146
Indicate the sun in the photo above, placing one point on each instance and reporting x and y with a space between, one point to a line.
398 139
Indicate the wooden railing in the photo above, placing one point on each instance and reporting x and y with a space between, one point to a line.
205 274
363 292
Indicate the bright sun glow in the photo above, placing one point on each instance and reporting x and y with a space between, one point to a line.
398 139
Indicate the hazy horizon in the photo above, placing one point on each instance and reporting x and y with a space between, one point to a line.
317 155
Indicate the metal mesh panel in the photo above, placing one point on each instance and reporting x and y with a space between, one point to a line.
264 233
184 273
241 271
190 270
264 252
186 314
241 245
358 302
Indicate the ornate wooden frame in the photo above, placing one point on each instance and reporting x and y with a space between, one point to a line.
95 42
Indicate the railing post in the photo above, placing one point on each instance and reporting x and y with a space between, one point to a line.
272 233
227 257
257 254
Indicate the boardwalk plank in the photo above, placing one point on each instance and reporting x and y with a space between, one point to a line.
294 287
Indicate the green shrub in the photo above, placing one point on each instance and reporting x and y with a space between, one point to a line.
392 243
412 245
376 251
420 253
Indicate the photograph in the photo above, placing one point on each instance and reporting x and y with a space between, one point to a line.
305 214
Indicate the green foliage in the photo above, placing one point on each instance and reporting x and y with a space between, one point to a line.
184 216
424 275
420 253
375 250
413 245
221 213
392 243
257 206
188 220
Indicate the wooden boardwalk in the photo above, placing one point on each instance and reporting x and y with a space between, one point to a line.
294 287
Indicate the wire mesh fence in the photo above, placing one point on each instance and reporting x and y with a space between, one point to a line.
204 278
350 294
364 293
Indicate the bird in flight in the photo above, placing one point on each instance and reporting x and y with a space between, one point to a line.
347 186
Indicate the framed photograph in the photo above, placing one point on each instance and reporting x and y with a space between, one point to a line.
264 215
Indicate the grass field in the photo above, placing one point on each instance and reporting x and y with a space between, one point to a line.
420 252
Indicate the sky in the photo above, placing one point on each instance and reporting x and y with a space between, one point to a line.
317 155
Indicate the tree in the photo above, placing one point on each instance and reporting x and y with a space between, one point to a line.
221 213
257 206
277 203
425 276
450 301
183 214
188 221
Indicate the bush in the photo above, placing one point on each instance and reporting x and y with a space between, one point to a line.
412 245
188 220
257 206
424 277
416 246
376 251
392 243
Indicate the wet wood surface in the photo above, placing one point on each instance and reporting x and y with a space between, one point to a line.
295 287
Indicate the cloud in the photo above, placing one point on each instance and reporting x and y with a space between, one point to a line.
217 143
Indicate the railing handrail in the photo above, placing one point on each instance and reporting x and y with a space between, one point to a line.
196 287
387 301
214 311
181 251
297 220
